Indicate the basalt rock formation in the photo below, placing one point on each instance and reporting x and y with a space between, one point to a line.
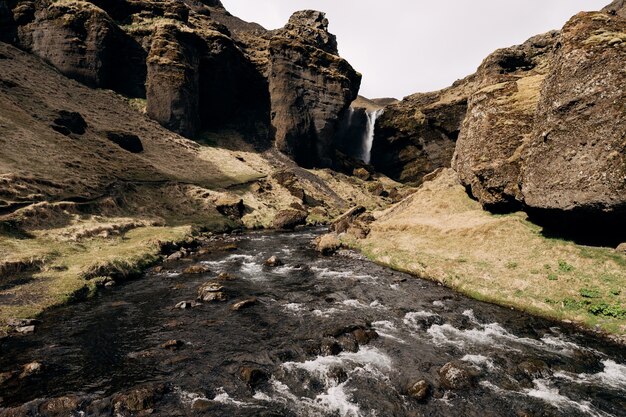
539 126
417 135
198 67
310 86
576 159
499 121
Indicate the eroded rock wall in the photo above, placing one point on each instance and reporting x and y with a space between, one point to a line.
499 121
199 67
576 158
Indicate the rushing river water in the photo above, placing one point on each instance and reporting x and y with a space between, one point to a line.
294 341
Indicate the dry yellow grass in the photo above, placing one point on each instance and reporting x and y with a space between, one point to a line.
441 234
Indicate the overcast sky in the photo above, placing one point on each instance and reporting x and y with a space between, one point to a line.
407 46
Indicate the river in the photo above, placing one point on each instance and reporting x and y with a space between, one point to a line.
293 351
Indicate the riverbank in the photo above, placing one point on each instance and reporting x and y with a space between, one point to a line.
439 233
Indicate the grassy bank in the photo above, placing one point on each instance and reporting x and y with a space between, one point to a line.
50 268
441 234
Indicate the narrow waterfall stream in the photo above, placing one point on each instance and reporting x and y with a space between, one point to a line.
368 135
327 336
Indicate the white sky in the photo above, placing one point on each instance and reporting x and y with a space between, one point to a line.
407 46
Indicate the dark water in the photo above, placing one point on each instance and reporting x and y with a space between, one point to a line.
111 344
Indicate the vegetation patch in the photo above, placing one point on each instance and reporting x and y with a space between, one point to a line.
506 259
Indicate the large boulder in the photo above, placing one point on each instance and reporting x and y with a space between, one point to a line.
310 86
576 159
499 121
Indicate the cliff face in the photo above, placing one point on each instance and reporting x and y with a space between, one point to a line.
417 135
540 125
576 159
499 121
199 68
310 86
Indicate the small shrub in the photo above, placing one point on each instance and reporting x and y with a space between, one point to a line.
565 267
547 267
589 293
606 310
552 277
511 265
615 291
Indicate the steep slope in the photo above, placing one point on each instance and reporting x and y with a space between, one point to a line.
198 67
90 186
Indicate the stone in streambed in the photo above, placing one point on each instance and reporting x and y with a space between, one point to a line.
33 368
138 399
240 305
327 244
211 291
456 376
273 262
419 390
253 376
172 344
196 269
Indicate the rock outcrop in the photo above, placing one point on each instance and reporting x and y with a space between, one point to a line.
310 86
418 135
576 159
83 42
617 8
540 125
199 68
499 121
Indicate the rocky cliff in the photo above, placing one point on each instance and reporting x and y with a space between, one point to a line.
539 126
198 67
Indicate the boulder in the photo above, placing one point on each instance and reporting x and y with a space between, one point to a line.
197 269
456 376
211 291
127 141
419 390
172 344
68 122
364 336
289 219
310 86
499 121
138 399
230 205
273 261
621 248
327 244
62 406
253 376
25 329
341 224
576 158
30 369
362 174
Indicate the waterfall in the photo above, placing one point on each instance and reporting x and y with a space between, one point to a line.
368 135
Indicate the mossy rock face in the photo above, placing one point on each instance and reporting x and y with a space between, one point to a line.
500 119
580 125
